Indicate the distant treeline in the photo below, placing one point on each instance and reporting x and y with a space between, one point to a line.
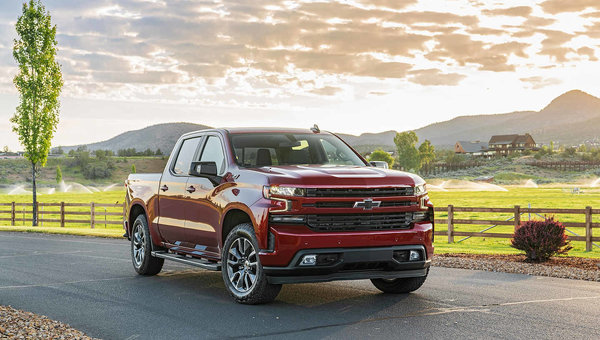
130 152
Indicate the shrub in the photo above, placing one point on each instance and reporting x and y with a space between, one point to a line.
541 239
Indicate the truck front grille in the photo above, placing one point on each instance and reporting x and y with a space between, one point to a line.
359 222
359 192
333 204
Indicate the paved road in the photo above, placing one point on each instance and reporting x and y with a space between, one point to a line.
90 284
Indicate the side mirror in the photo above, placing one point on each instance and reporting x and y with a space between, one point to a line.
203 169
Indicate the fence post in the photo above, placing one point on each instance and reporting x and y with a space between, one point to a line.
588 228
92 213
13 214
41 220
517 216
37 213
124 210
62 214
450 223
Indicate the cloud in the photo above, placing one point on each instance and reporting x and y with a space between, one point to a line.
538 82
326 91
435 77
558 6
589 52
276 48
519 11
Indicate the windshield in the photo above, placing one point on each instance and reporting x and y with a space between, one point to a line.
266 149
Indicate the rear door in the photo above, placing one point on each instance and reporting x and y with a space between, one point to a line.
172 191
203 215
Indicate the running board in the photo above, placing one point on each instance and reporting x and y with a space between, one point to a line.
187 260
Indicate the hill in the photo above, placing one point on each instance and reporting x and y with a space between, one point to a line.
160 136
572 118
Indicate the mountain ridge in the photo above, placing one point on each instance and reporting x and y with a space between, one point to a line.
571 118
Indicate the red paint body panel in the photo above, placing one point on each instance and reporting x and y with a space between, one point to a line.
177 216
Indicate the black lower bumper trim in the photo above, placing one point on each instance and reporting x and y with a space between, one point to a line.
351 264
348 276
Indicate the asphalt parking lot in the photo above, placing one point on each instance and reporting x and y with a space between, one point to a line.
90 284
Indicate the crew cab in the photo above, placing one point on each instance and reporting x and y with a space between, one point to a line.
270 206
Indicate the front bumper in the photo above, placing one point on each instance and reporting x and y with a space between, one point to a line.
352 264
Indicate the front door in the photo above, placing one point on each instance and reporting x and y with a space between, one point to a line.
172 192
203 213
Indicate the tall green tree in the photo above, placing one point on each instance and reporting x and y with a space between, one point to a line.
133 169
408 155
381 155
426 153
39 83
58 174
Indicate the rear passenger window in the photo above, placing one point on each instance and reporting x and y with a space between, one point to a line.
185 156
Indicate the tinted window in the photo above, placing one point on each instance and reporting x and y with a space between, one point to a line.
185 156
213 152
265 149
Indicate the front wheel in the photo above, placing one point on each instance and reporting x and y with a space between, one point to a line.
242 272
141 249
400 285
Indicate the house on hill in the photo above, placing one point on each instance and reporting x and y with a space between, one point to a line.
472 148
507 144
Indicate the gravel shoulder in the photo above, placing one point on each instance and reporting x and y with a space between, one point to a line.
18 324
562 267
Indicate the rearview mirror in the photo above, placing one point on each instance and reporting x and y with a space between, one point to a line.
203 169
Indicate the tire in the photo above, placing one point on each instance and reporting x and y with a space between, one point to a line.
399 286
242 271
141 249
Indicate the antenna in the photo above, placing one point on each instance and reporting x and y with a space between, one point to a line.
315 129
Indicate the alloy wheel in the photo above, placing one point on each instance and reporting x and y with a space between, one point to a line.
242 265
139 239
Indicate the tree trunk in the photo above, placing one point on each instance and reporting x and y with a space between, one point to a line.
35 207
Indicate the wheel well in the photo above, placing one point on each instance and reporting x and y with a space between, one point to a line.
136 211
233 218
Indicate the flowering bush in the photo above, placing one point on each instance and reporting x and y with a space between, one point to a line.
541 239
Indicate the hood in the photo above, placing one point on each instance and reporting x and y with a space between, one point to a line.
323 175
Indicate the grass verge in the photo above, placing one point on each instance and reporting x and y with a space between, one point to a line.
112 233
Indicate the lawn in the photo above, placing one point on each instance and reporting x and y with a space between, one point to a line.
544 197
555 197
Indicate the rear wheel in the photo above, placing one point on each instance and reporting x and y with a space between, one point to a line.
242 272
400 285
141 249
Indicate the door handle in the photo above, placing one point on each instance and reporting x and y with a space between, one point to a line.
164 188
191 189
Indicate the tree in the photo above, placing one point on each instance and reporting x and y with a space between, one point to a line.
58 174
5 149
100 154
60 151
39 82
133 169
408 155
426 153
380 155
159 152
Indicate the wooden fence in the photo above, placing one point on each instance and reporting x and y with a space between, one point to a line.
515 220
88 214
567 165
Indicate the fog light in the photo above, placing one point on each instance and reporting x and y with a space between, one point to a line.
309 260
415 255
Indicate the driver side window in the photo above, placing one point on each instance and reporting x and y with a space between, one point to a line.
213 152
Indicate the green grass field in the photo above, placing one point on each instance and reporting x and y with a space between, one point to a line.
537 197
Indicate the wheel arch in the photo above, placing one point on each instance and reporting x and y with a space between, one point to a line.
233 217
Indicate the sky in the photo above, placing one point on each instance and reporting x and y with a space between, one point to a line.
350 66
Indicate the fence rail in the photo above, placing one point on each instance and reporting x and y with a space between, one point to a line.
515 220
91 214
567 165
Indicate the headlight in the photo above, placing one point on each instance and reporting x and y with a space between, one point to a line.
275 190
420 190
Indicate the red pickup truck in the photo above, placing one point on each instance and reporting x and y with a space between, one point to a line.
268 207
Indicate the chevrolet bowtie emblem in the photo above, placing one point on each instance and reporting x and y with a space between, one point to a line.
367 204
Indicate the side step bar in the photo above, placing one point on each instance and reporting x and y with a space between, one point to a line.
187 260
